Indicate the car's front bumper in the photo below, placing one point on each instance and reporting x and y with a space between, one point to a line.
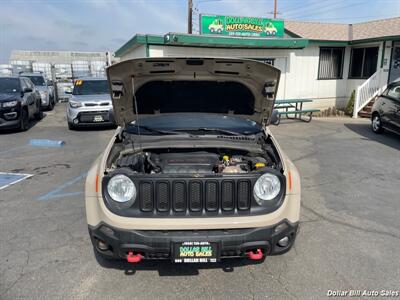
9 117
158 244
85 116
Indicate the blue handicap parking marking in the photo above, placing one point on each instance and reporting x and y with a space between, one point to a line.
7 179
58 192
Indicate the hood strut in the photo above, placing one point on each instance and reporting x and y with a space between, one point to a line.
136 111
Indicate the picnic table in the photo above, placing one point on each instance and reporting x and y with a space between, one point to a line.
294 107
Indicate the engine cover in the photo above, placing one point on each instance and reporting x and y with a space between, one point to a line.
188 162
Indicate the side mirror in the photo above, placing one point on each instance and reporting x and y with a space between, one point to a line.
275 117
27 90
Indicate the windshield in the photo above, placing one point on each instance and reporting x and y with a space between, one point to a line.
9 85
90 87
198 124
37 80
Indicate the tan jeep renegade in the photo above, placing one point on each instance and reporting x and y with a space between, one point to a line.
193 174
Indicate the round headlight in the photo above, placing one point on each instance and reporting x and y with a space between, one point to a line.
267 187
121 188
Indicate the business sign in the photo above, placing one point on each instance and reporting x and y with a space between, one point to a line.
241 26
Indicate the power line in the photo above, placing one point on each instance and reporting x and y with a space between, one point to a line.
359 17
327 8
322 9
303 7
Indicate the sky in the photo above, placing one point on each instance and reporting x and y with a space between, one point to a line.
105 25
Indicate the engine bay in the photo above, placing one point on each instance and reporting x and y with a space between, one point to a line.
196 161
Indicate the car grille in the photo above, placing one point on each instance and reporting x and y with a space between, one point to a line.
89 117
97 103
163 195
192 196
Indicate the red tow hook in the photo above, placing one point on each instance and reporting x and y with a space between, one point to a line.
133 258
255 256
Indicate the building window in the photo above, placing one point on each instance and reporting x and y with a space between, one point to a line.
363 62
330 63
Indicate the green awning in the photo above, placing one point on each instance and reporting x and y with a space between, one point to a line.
178 39
212 41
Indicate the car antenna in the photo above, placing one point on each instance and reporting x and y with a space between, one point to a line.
136 111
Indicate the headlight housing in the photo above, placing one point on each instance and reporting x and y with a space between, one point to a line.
75 104
266 188
10 103
121 188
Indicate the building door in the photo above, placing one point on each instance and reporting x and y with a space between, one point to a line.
394 72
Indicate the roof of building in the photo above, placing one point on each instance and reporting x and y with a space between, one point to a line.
344 32
318 30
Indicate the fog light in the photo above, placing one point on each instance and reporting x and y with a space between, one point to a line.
10 116
76 121
103 246
283 242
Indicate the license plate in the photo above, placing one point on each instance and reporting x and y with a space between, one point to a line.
98 119
195 252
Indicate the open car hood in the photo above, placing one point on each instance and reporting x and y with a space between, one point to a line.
238 87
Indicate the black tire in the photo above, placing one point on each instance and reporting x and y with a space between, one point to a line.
39 115
24 120
71 126
51 105
376 123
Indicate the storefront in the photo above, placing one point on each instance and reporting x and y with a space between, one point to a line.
320 61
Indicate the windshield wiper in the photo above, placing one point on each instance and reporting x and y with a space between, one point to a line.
152 130
206 129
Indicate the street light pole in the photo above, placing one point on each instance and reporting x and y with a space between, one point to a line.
275 8
190 16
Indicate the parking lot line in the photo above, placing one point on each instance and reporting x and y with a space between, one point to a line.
13 149
7 179
57 192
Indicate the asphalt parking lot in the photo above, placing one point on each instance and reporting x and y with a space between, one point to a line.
349 236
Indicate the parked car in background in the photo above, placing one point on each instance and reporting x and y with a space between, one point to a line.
90 103
44 87
19 103
193 174
386 110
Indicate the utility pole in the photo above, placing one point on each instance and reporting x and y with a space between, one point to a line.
190 16
275 8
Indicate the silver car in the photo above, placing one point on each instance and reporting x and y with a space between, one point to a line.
90 104
44 87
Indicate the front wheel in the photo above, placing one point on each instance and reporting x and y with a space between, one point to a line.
24 120
377 124
71 126
51 105
39 115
